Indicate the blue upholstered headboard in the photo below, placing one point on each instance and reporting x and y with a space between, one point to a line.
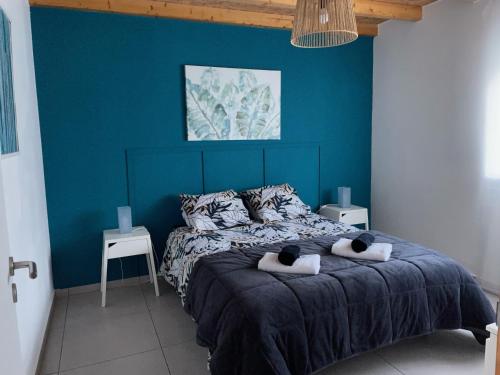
157 176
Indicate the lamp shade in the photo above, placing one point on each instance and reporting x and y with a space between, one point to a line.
324 23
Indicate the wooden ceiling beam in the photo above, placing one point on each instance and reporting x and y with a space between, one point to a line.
169 9
363 8
387 11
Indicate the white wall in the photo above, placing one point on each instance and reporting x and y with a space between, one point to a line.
24 192
436 108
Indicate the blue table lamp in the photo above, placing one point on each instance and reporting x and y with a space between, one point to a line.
125 219
344 199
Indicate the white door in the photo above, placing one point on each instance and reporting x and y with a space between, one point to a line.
10 349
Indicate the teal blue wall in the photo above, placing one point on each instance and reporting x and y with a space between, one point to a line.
111 83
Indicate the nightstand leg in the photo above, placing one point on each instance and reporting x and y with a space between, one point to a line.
104 277
102 266
148 261
153 268
155 279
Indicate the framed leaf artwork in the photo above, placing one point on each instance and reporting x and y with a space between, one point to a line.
8 130
232 104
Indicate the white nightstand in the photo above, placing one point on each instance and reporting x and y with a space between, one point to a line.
117 245
352 215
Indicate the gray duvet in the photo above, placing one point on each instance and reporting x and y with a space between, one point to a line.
255 322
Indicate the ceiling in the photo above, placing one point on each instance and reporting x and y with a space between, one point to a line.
258 13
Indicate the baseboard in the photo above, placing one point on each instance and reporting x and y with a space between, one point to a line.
136 280
45 334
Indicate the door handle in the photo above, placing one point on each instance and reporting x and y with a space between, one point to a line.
13 266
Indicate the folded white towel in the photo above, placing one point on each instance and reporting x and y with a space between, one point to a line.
304 265
377 251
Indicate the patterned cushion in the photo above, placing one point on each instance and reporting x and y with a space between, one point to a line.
252 198
214 211
275 203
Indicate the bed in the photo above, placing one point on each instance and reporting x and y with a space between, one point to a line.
254 322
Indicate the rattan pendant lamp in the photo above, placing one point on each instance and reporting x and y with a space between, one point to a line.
324 23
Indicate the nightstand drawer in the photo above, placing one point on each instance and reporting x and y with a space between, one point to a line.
127 248
353 217
349 215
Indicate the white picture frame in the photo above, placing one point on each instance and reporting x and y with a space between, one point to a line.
232 104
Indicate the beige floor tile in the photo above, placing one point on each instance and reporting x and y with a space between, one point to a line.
493 299
149 363
52 351
91 341
119 301
187 358
437 354
173 325
168 297
59 312
365 364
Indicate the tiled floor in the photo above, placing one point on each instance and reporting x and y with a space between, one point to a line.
141 334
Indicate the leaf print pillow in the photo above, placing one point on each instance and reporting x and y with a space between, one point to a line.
214 211
251 198
275 203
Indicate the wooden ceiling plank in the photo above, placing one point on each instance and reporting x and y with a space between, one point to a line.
172 10
363 8
168 9
283 7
